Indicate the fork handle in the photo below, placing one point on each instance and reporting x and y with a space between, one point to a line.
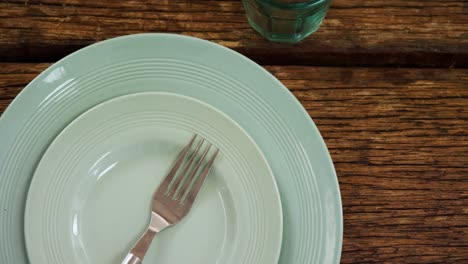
131 259
138 251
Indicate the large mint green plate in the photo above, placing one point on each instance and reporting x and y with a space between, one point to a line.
248 94
90 197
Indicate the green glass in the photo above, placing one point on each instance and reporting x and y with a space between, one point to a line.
286 20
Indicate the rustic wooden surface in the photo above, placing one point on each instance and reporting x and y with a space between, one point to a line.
360 32
398 136
399 141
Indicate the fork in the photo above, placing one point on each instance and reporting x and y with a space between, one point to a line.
175 196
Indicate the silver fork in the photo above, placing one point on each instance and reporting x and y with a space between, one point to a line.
176 194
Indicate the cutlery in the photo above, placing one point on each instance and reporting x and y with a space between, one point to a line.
175 196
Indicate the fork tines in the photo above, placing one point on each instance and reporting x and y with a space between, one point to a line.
190 170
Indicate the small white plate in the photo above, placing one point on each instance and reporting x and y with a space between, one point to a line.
89 199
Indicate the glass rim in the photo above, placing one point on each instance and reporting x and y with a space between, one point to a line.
302 4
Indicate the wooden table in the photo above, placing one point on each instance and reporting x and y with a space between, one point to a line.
385 81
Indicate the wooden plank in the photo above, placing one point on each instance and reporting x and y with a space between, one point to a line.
14 77
360 32
399 141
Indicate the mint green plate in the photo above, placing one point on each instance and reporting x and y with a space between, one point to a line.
90 197
244 91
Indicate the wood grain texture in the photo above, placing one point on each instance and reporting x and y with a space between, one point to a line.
359 32
399 141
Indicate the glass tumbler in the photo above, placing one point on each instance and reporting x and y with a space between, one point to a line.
286 20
